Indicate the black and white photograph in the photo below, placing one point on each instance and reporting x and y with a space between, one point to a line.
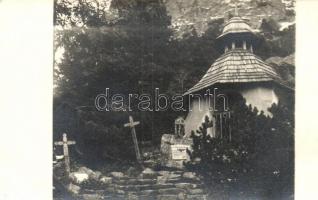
174 99
158 99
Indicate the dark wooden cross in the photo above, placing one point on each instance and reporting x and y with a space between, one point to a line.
132 125
65 144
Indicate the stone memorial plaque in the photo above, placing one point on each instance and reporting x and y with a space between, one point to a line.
179 151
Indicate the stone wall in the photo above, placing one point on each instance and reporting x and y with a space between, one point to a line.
167 141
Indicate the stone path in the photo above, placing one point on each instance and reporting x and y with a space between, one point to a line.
161 185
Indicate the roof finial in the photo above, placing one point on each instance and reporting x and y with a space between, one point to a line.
236 9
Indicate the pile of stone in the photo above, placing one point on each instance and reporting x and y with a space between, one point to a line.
149 184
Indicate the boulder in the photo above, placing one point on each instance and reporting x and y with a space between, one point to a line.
95 175
85 173
119 191
106 180
85 170
171 191
163 173
148 173
74 189
161 179
132 171
285 67
186 186
148 192
166 141
92 197
78 177
189 175
167 197
117 174
196 191
182 196
170 155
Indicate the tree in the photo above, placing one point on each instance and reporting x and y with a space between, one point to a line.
259 157
100 53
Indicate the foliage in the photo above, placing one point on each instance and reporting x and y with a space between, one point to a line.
275 42
126 46
259 158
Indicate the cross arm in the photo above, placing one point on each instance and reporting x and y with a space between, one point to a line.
71 142
131 124
58 143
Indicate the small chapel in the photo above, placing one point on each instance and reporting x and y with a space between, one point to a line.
237 71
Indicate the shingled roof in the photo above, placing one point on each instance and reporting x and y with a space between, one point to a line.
237 66
236 25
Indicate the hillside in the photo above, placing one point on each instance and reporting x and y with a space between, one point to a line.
189 14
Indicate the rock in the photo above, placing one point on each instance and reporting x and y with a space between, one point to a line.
85 173
161 179
279 61
78 177
197 160
163 173
166 141
171 156
189 175
182 196
132 171
285 67
167 197
75 189
106 180
96 175
198 196
117 174
150 163
92 197
132 196
120 181
110 189
196 191
186 186
120 191
148 173
171 191
140 181
147 192
85 170
92 191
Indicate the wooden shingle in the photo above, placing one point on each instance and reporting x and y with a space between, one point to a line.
237 66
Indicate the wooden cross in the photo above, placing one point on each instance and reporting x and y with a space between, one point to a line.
132 125
65 144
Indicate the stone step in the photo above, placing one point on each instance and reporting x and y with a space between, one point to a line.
92 191
187 186
149 185
182 180
139 181
147 195
195 191
164 172
102 197
167 197
198 197
144 187
171 191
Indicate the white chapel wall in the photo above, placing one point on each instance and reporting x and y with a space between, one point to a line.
195 117
260 97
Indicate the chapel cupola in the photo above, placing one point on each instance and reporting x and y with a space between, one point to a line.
237 34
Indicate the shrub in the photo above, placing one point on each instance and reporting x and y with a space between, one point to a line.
258 160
